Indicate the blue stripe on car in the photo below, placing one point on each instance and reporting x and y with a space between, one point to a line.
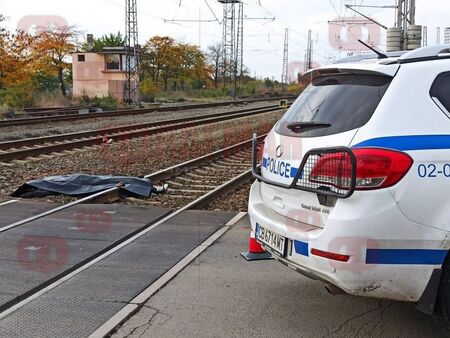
301 248
409 142
264 162
405 256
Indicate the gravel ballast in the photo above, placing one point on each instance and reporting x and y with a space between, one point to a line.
64 127
140 156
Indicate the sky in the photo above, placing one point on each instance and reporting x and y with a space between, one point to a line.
264 26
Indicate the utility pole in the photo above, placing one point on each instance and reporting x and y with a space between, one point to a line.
131 92
309 53
200 27
284 73
425 36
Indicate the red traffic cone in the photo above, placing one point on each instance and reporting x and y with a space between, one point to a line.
255 251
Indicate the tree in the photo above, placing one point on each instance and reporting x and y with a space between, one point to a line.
193 66
17 61
161 58
156 51
214 56
54 47
111 40
167 61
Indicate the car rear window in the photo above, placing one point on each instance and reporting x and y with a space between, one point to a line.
344 101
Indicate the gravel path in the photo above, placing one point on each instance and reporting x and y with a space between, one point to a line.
233 201
56 128
141 156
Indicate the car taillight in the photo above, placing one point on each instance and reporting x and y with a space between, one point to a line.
375 168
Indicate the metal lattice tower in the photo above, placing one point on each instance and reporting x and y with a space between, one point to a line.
131 93
232 41
309 53
239 62
406 14
284 73
447 35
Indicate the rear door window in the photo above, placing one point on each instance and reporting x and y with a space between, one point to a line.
334 104
440 92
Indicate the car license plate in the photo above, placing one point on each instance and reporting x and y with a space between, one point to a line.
273 240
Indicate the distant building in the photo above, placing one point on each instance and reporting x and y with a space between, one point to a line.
100 73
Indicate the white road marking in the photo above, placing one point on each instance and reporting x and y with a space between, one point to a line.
8 202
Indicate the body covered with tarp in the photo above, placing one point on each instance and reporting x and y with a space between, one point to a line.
82 185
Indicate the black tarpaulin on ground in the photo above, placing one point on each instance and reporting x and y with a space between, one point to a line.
82 185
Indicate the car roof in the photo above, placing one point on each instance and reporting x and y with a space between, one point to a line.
428 53
370 63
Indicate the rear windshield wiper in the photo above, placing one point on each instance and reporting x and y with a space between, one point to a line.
298 127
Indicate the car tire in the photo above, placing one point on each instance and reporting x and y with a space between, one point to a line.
442 306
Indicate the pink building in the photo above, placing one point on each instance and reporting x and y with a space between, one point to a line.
100 73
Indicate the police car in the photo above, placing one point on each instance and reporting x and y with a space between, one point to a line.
353 183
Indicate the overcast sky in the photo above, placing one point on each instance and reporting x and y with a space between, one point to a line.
263 48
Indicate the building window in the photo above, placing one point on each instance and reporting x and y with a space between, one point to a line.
113 62
81 58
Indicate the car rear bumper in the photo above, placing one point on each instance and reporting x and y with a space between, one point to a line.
390 257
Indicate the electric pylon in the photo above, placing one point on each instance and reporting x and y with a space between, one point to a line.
232 41
131 92
284 74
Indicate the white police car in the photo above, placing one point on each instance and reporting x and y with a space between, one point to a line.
353 188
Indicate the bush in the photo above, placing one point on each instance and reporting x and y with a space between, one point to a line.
6 111
51 99
19 95
295 88
106 102
148 90
45 83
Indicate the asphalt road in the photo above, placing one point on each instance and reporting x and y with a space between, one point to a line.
222 295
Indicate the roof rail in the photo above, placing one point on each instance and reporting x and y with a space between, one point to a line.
434 52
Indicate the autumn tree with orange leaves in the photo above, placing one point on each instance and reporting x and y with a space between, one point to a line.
53 49
25 57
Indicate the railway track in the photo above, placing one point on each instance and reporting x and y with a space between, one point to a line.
125 112
33 147
38 112
55 109
194 184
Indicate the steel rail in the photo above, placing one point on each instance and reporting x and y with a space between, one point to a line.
136 132
126 112
27 142
11 306
8 308
156 177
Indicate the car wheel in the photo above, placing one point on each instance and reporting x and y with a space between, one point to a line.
442 306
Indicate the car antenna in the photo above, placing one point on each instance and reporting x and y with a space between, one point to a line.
380 54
